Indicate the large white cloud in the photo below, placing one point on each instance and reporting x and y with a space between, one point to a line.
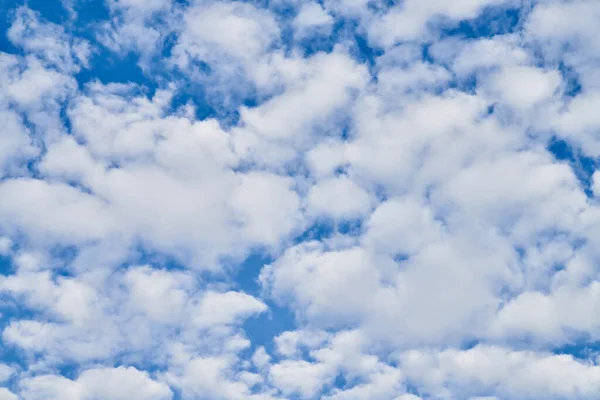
417 229
101 383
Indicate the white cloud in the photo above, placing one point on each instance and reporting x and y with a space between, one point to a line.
408 20
233 39
312 17
159 294
550 318
6 394
384 384
6 372
106 383
232 306
125 219
579 121
177 202
401 227
339 198
5 245
49 42
488 370
237 29
285 376
260 198
213 377
316 281
133 27
57 213
323 88
483 54
523 87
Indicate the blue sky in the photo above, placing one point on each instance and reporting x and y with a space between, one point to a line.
298 199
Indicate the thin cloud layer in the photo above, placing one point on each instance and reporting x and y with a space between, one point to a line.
339 200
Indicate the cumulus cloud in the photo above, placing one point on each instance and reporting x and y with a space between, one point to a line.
338 200
312 17
105 383
505 373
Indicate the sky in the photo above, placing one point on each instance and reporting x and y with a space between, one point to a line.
299 199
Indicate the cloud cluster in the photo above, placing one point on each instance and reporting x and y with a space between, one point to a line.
338 200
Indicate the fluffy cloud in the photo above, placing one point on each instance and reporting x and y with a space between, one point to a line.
505 373
409 20
341 200
106 383
312 17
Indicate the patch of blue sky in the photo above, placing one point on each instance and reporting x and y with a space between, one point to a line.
582 166
414 390
580 349
571 79
12 311
496 20
89 12
212 95
197 97
365 52
246 276
6 267
318 42
6 17
108 67
324 228
343 30
64 255
52 10
261 329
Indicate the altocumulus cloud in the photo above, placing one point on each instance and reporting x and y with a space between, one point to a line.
298 199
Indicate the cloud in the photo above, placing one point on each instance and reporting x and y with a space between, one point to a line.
48 42
409 20
239 30
505 373
312 17
107 383
350 200
5 394
297 199
133 27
